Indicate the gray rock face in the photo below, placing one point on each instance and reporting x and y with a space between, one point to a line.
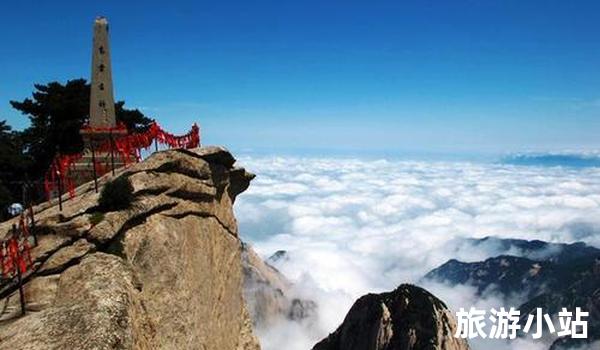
163 274
265 289
269 295
300 309
278 255
404 319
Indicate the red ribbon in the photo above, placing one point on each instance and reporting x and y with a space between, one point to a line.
3 260
15 252
11 257
127 148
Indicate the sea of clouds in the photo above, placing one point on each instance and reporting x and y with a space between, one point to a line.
354 226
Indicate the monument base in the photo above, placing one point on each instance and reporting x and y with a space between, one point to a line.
95 152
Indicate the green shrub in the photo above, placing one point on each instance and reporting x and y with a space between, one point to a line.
116 194
95 218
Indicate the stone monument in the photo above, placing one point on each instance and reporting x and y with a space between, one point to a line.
102 127
102 103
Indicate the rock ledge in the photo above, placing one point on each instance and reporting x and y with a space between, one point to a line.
165 273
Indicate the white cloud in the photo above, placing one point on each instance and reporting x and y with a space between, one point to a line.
356 226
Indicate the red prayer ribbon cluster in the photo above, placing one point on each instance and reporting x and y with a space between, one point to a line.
127 148
15 252
59 170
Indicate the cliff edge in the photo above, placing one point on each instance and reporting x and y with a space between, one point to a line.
165 273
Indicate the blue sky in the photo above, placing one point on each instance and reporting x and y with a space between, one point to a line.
489 76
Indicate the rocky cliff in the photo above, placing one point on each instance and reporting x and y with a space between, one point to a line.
265 289
407 318
165 273
270 296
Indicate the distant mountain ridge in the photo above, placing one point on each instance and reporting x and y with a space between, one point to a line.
536 249
582 160
551 275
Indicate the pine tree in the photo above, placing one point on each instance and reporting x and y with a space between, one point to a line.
57 112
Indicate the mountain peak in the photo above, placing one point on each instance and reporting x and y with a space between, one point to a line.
407 318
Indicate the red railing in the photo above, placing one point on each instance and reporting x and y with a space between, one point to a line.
127 148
